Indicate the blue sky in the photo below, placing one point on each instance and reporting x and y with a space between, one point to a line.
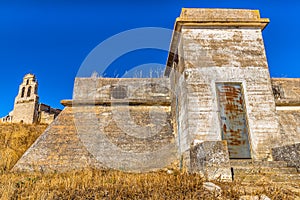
52 38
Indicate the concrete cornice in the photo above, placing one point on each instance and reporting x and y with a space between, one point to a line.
155 102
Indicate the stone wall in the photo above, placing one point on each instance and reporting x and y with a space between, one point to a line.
25 112
46 118
46 114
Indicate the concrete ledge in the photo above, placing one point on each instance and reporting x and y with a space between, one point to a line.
219 14
133 102
287 102
288 108
220 17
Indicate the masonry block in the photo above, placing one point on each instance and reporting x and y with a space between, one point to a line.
288 153
211 159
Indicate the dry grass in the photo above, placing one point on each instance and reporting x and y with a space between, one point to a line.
15 140
99 184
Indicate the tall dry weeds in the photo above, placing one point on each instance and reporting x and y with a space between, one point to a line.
15 139
105 184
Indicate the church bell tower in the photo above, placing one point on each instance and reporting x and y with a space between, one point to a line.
26 102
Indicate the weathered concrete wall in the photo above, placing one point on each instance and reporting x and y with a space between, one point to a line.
287 96
179 108
289 127
94 136
214 52
148 90
203 116
115 135
207 47
286 91
57 149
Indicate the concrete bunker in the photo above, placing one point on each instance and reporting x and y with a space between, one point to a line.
215 103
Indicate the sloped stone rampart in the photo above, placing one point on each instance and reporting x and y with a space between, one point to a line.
115 135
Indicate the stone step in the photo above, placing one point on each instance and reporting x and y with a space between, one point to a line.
255 171
263 169
273 177
238 163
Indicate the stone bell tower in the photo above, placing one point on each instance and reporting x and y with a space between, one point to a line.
26 102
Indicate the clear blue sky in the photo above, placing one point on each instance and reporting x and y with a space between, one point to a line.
52 38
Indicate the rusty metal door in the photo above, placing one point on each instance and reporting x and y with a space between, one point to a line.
233 119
